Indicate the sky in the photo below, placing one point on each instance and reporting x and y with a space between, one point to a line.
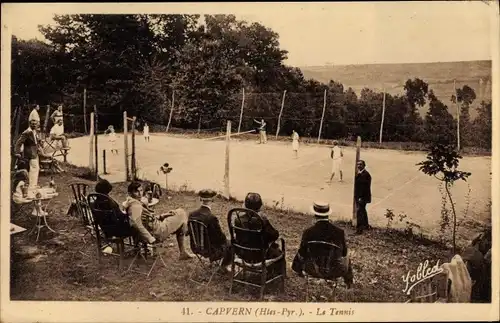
318 34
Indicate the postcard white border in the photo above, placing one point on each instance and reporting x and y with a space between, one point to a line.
27 311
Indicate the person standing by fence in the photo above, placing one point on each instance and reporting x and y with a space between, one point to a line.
262 131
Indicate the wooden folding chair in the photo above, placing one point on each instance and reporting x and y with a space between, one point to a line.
113 223
201 246
432 290
249 251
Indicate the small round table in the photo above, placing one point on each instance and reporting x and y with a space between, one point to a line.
38 211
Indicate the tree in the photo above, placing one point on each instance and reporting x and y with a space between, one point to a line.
442 163
464 97
439 124
482 126
416 91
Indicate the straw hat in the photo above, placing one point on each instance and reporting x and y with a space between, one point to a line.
321 209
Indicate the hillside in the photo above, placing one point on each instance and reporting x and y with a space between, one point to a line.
440 77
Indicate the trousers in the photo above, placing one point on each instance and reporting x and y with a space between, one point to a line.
361 216
33 172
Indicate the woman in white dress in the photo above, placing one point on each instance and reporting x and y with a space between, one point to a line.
110 132
295 143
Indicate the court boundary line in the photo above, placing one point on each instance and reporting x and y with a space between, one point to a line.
395 191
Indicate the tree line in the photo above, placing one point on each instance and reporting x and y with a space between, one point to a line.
141 63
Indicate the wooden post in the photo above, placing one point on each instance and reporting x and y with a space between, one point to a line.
96 130
85 108
91 142
104 161
199 125
226 169
322 117
458 115
382 121
281 112
46 123
241 111
171 110
354 209
125 138
134 164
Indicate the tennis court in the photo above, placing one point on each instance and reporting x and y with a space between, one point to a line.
282 180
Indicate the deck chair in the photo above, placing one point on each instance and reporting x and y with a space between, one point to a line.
249 251
113 223
433 290
209 260
320 263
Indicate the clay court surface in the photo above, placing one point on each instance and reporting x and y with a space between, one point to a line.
293 183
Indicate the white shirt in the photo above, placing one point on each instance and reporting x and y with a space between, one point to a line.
336 152
34 115
57 130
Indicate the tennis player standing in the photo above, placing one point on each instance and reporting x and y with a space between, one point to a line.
295 143
336 155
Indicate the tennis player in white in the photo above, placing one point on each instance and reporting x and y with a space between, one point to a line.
145 131
336 155
295 143
111 134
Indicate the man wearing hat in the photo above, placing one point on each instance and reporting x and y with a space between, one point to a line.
218 242
324 230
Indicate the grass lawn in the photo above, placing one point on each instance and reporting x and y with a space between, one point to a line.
55 269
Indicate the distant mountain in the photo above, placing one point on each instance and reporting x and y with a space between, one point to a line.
439 76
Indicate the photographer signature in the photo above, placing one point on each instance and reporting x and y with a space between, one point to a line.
423 273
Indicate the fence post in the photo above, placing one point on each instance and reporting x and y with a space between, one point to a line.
85 108
46 123
19 110
96 130
354 209
322 116
281 111
382 121
226 168
241 111
458 115
125 139
171 111
104 161
91 142
134 165
199 125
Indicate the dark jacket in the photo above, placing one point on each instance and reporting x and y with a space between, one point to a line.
27 139
204 215
321 231
270 233
362 186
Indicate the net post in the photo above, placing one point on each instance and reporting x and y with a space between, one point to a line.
358 149
125 139
91 142
104 161
322 117
382 121
226 168
281 112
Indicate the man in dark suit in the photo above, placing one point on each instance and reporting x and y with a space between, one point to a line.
29 139
362 195
218 242
253 201
325 231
